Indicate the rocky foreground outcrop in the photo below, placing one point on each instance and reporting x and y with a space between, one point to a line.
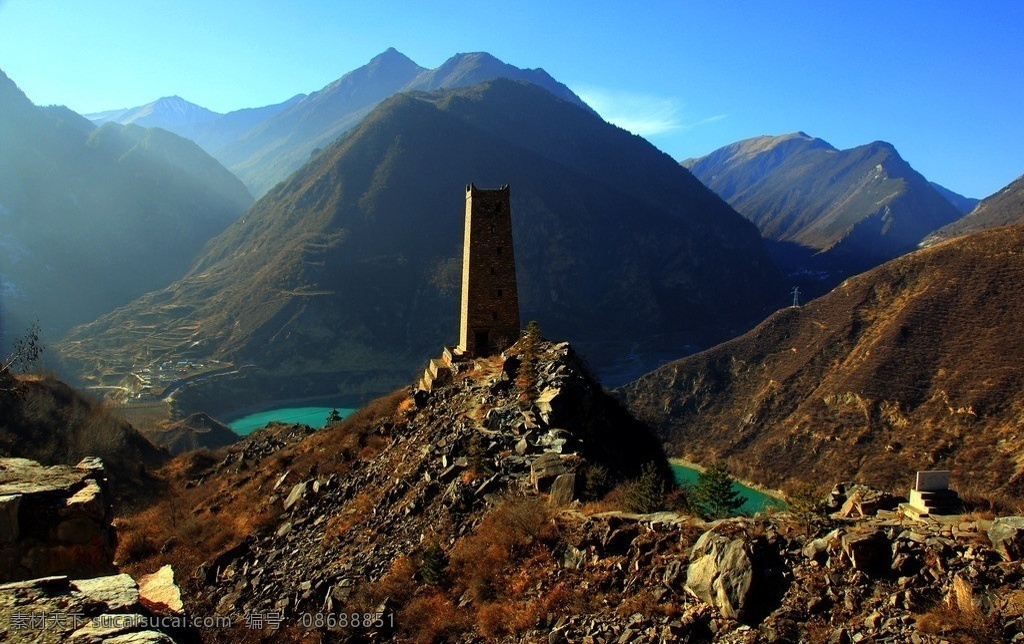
106 609
57 547
54 520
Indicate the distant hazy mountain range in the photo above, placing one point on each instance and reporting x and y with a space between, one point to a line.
91 218
960 202
913 365
1004 208
263 146
856 207
210 130
347 274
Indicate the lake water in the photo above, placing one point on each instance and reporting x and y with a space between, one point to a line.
312 416
755 501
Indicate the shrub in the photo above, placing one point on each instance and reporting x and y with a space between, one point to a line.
807 505
680 499
431 618
476 455
526 379
957 624
597 482
398 585
482 562
647 493
135 546
497 620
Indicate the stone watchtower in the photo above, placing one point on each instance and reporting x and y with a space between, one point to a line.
490 303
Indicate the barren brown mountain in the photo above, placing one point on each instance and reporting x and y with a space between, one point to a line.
916 364
1004 208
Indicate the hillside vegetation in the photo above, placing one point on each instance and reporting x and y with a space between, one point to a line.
46 420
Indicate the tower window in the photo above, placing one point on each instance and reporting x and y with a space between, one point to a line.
494 228
494 315
497 292
498 250
493 272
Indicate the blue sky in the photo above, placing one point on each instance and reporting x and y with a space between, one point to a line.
942 81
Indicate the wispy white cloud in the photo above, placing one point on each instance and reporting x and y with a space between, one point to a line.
643 114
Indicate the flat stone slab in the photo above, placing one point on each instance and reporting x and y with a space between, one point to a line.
23 476
118 592
932 481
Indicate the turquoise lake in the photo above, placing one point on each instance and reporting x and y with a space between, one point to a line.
312 416
754 502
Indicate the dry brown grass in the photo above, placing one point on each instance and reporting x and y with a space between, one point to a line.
484 562
355 512
913 365
496 620
564 599
431 617
192 523
960 625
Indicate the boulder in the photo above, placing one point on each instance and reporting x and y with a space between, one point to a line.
1007 537
9 517
818 549
545 469
721 573
563 489
869 552
54 520
159 592
296 495
863 501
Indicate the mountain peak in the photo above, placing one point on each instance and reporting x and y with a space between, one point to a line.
391 56
862 205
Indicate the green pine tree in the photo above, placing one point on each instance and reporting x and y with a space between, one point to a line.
714 495
434 565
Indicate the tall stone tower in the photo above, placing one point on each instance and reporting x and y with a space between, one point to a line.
490 301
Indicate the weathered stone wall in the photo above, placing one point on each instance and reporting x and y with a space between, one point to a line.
490 301
54 520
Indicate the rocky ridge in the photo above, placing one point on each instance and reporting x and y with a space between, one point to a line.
447 458
1004 208
854 208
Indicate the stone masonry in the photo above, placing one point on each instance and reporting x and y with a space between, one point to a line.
490 302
